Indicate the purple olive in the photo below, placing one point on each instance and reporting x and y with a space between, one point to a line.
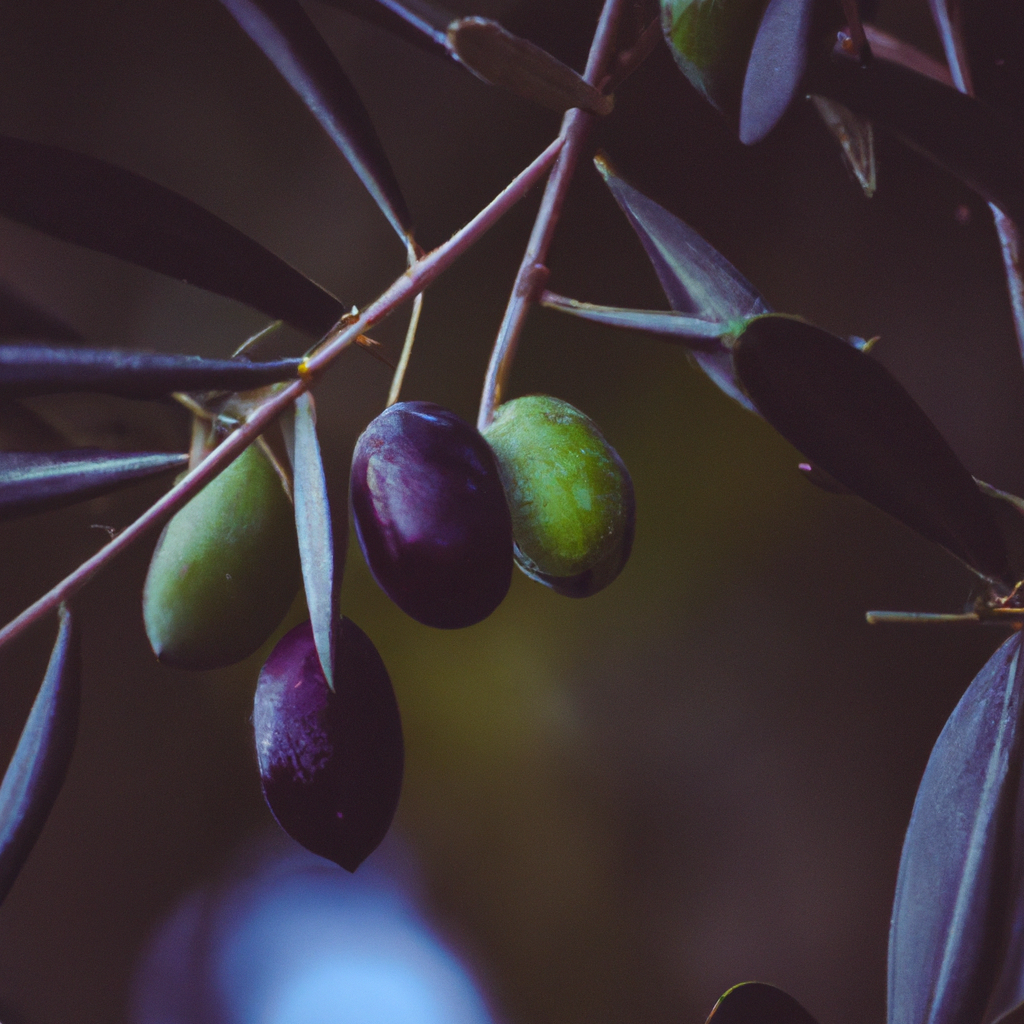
330 763
431 515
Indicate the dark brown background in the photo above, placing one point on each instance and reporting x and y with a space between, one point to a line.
621 806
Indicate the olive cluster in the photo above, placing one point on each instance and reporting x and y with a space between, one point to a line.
441 512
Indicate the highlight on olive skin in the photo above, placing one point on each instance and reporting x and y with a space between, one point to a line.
225 570
570 495
330 762
431 516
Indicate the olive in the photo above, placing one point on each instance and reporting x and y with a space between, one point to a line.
431 516
225 570
330 762
570 495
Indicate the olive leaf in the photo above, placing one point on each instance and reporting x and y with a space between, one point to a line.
856 138
313 526
20 318
847 414
423 24
981 146
711 41
694 332
696 278
290 40
92 203
956 951
753 1002
37 770
776 65
486 48
47 370
501 58
39 481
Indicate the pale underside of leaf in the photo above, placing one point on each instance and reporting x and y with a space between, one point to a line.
775 68
27 370
37 770
33 482
313 525
959 890
697 279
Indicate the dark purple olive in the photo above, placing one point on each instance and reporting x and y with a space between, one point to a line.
431 515
330 763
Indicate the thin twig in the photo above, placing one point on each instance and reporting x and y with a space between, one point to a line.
403 359
532 275
411 283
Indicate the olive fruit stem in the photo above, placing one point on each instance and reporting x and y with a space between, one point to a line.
532 275
343 334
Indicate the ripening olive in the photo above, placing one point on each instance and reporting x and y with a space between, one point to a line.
570 495
225 570
330 763
431 516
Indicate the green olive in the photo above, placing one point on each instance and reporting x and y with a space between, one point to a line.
569 493
225 570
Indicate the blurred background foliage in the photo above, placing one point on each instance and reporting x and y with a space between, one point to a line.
617 807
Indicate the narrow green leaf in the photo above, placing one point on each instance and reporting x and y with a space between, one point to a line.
711 42
37 770
847 414
753 1002
290 40
981 146
92 203
47 370
20 318
39 481
313 525
522 67
776 66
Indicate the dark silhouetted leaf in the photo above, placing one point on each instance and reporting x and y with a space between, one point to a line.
693 331
522 67
847 414
36 773
776 66
38 481
756 1003
856 137
48 370
1008 512
313 525
696 278
958 894
20 318
711 42
285 34
92 203
422 24
981 146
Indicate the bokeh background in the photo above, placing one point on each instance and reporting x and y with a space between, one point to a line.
613 809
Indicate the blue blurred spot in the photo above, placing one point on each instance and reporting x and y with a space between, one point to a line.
297 941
